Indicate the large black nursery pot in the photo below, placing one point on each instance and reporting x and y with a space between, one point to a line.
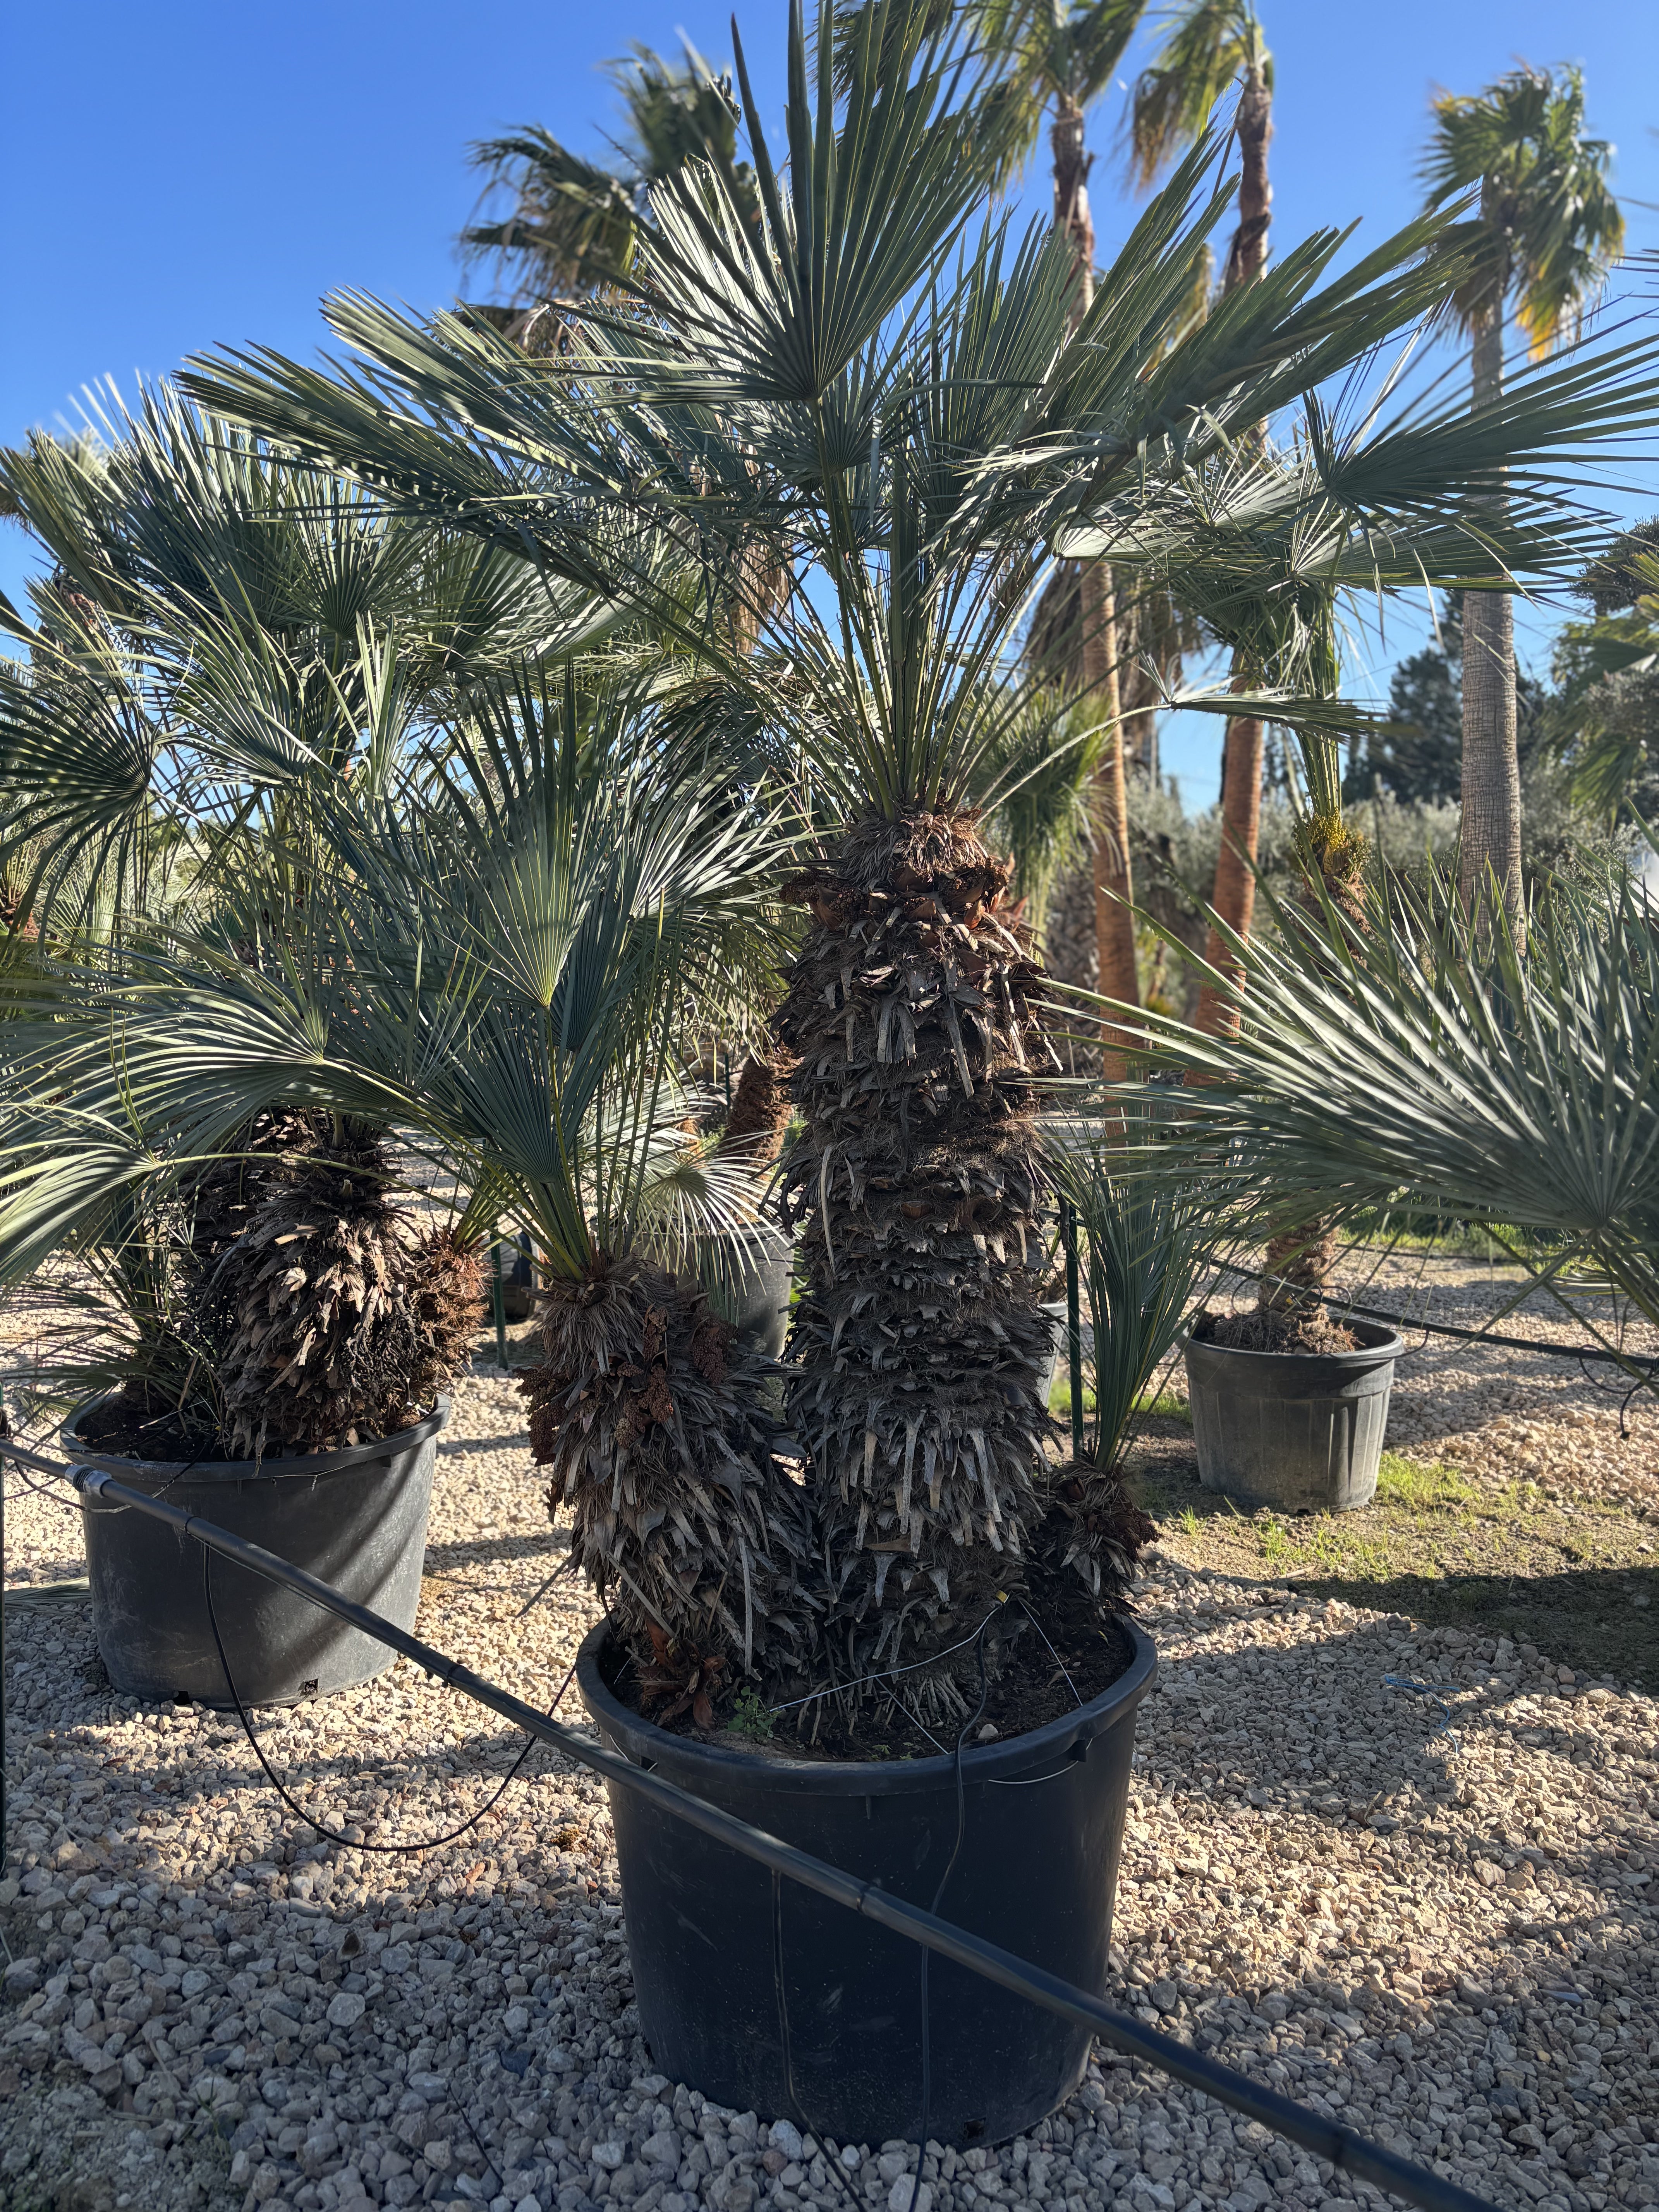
777 2000
1298 1430
355 1518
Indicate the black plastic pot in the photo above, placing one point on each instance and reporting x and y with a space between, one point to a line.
1300 1430
780 2002
355 1518
757 1303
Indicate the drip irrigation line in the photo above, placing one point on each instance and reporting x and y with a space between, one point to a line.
939 1895
385 1851
1624 1359
1337 2146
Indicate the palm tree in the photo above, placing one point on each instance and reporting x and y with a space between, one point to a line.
575 225
1144 1245
223 635
1212 45
1049 63
915 421
1056 62
497 955
1546 232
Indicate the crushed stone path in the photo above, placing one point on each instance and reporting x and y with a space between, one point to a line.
1433 1917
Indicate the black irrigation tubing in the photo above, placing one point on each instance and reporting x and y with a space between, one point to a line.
1469 1335
1339 2147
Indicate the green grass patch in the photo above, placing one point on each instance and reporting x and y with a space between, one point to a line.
1420 1489
1570 1579
1165 1406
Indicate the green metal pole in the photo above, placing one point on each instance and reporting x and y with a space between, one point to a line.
1073 1325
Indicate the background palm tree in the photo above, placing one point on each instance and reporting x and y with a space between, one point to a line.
1546 232
573 224
1054 62
1210 47
1426 1060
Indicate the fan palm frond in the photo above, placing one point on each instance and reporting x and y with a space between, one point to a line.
1424 1059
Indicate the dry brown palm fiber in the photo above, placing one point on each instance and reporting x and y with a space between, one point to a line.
1096 1530
918 1351
761 1108
345 1326
650 1412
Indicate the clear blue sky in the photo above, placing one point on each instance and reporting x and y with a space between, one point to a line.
182 175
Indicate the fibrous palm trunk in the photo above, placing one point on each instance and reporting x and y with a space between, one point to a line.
918 1351
1114 925
1233 894
651 1414
1298 1265
761 1108
1491 838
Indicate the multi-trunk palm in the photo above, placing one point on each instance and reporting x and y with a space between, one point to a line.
916 424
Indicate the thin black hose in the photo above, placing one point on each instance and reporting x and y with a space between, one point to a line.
1316 2131
949 1868
388 1851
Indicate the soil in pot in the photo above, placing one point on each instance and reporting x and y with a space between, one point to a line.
1269 1329
355 1517
769 1998
1050 1650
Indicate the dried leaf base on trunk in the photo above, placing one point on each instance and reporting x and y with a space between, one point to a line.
652 1416
918 1351
339 1324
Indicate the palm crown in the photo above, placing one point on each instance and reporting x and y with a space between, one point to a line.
1548 226
574 224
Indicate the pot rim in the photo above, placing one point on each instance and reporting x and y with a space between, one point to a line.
251 1470
870 1777
1389 1345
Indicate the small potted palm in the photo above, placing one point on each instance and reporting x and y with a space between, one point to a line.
270 1346
1289 1402
255 1322
1435 1061
1145 1242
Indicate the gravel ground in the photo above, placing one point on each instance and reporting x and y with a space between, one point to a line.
1443 1936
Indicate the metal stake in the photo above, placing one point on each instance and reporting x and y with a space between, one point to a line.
499 1301
1073 1325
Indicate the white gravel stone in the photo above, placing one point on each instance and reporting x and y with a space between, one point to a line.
1448 1941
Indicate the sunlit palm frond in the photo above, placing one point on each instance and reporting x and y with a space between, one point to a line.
1418 1060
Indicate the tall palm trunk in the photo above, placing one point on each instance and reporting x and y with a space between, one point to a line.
1115 928
1233 896
1114 934
1491 841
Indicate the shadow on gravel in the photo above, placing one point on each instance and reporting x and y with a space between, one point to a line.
441 1557
1589 1619
1580 1582
1318 1730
